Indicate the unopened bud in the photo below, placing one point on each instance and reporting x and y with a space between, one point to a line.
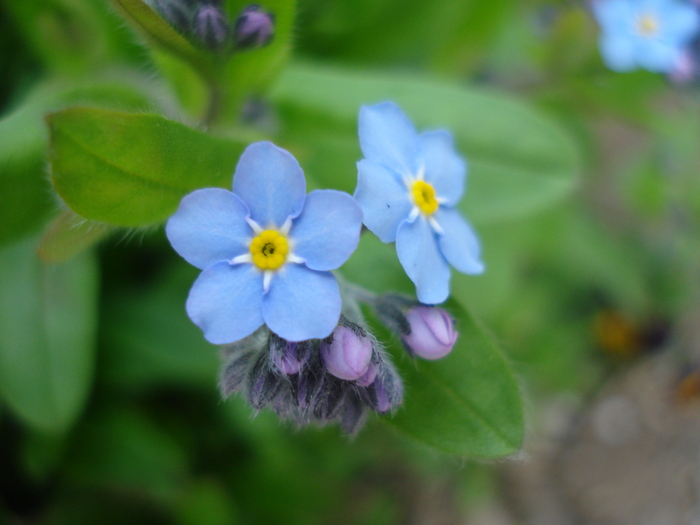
211 26
386 393
368 377
254 28
354 414
179 13
432 333
263 383
348 355
288 357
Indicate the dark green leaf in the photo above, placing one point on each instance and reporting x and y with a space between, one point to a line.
520 160
467 403
132 170
47 335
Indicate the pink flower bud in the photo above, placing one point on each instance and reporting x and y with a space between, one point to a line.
432 332
348 356
368 377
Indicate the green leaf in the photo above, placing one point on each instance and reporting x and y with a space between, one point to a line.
133 169
519 159
47 335
68 235
25 196
467 403
250 72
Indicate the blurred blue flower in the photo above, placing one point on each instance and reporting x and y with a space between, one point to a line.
266 250
407 186
650 34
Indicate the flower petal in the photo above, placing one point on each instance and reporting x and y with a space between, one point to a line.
613 15
656 56
328 229
388 137
459 244
419 255
302 303
269 180
384 199
225 302
680 24
444 169
618 52
209 226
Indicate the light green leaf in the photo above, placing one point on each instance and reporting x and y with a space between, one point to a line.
25 195
47 335
519 159
133 169
467 403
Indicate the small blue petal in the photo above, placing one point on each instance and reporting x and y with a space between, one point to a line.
444 169
657 56
618 52
420 257
458 243
269 180
680 23
384 199
328 229
388 137
613 15
209 226
225 302
302 303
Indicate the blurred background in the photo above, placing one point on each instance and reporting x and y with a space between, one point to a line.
594 300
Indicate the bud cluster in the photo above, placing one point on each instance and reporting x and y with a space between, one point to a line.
337 379
206 23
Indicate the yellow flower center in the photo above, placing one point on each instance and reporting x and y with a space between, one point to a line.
269 250
424 197
647 25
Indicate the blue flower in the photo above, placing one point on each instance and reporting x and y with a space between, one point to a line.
407 187
650 34
266 250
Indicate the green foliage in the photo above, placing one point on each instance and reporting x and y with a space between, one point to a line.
466 404
48 323
133 169
25 198
519 160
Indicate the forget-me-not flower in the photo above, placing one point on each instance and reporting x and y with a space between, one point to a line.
266 250
651 34
408 186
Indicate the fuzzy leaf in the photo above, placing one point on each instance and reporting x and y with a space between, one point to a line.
133 169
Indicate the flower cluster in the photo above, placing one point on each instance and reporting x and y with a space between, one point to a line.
656 35
294 338
205 23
